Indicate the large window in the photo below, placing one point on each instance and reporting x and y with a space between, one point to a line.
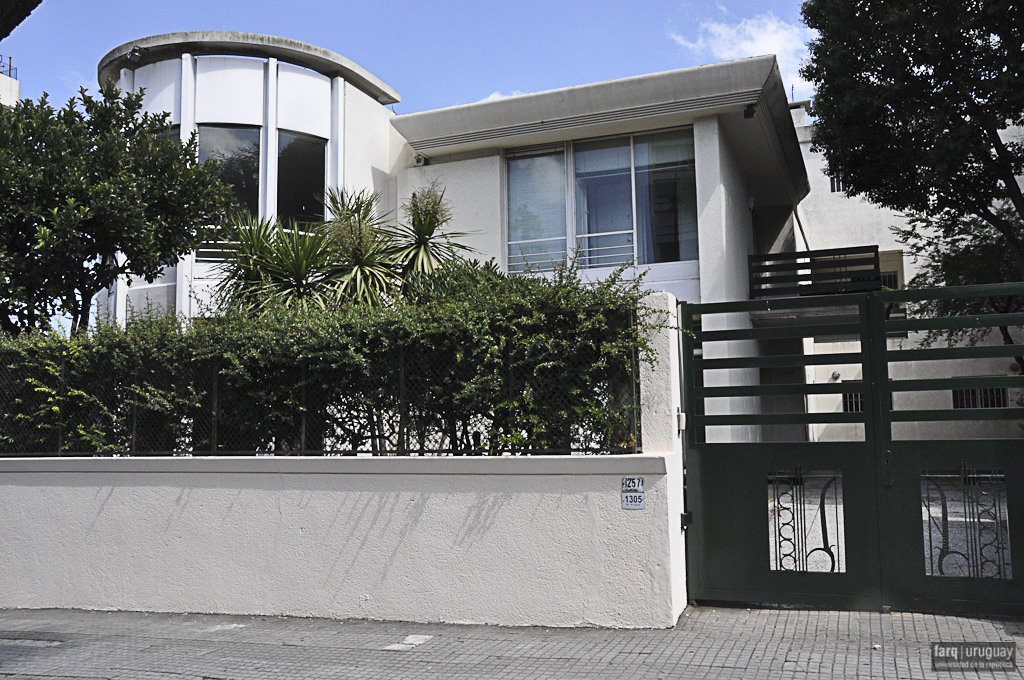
301 173
632 199
238 151
536 211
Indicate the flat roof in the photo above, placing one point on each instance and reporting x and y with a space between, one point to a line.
727 89
230 43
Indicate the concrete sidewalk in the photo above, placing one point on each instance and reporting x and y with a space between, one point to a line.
707 643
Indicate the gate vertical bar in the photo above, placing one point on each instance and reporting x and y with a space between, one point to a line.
878 428
695 538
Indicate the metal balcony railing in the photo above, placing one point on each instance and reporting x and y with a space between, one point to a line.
7 69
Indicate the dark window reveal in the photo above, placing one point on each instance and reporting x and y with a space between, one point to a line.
238 151
301 172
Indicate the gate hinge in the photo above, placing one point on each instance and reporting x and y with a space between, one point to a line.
681 421
685 520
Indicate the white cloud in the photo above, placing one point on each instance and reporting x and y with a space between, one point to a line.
751 37
495 96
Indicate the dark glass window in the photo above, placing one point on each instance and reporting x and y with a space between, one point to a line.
238 151
666 197
301 173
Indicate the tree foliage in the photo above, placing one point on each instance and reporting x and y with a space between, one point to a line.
961 252
89 193
919 107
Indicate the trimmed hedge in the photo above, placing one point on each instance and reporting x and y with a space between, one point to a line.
468 360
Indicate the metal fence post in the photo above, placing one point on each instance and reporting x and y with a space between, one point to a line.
213 409
403 406
302 409
135 408
63 386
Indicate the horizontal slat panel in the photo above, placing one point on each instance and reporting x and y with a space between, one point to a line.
779 360
821 288
956 383
943 322
959 414
775 390
763 267
937 353
778 419
772 333
954 293
828 252
868 275
840 448
849 300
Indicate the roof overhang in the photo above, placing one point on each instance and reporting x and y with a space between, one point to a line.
229 43
765 144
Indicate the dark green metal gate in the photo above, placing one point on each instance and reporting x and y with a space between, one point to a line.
835 460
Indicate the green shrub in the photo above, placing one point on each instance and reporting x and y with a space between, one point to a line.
468 360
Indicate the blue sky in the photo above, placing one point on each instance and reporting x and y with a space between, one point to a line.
434 53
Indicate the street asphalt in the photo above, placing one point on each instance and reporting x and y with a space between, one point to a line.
706 643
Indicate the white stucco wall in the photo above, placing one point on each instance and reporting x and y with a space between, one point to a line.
162 84
303 101
514 541
10 90
725 233
229 90
367 143
473 187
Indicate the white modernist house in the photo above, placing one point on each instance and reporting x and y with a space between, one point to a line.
684 173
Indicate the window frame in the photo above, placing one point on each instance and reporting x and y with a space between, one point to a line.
567 149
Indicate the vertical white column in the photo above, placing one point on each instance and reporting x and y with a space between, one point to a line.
127 81
187 106
336 145
268 142
119 295
660 397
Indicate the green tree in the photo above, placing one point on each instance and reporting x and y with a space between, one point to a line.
962 252
919 107
91 193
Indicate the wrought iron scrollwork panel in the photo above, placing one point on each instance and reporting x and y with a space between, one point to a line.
805 521
965 522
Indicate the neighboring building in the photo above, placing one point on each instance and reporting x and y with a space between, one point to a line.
827 218
10 88
685 172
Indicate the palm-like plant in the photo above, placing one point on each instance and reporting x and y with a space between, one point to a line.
420 245
356 255
362 248
273 264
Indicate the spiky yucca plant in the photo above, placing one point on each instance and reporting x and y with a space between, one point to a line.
273 264
420 245
362 247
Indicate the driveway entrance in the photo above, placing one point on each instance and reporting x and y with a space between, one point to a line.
838 457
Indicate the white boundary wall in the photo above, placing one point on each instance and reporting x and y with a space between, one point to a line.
518 541
511 541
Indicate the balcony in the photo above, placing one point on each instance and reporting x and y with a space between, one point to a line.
815 272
